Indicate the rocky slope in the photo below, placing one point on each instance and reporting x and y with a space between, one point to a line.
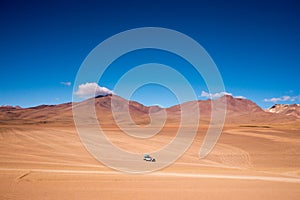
286 109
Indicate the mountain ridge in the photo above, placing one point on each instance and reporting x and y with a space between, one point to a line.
238 111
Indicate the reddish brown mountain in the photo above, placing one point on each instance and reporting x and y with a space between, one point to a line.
239 111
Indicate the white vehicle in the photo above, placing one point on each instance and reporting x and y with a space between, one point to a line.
148 158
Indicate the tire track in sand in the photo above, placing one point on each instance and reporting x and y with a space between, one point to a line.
163 174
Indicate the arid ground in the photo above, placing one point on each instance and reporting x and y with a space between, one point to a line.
251 161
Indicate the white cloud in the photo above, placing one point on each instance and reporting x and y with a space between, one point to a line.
218 95
87 90
240 97
214 95
66 83
283 98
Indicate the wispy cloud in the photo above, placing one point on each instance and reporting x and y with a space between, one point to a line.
66 83
240 97
87 90
218 95
214 95
283 99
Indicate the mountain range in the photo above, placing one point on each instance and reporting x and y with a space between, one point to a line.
239 111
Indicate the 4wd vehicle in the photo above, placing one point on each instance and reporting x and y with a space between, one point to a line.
147 157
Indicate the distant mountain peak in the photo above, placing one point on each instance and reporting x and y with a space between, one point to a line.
287 109
10 107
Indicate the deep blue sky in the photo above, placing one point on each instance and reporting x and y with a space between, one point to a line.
255 44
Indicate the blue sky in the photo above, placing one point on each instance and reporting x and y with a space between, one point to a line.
255 45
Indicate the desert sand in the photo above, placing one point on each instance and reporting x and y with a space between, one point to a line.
43 158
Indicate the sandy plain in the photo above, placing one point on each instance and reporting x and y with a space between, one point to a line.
48 161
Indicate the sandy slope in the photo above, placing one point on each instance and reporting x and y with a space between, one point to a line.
49 162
